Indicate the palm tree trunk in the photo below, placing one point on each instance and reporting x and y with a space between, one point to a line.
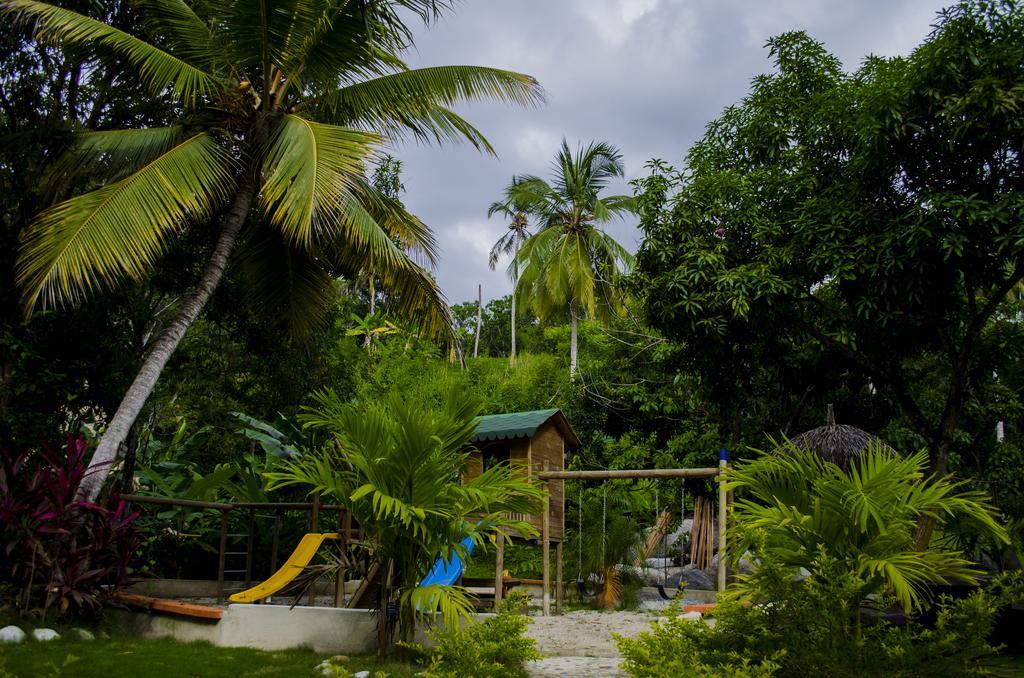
515 281
479 318
572 345
109 449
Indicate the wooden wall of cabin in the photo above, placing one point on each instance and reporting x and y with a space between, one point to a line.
544 452
547 453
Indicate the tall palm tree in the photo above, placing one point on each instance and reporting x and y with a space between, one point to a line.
278 107
571 265
515 208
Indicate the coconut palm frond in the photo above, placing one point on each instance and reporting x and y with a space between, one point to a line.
159 69
308 174
117 231
417 101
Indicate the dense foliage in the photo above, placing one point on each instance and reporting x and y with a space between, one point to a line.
873 216
802 632
59 553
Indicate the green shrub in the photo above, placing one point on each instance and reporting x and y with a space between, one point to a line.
797 629
495 647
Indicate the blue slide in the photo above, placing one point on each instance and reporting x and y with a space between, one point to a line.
446 573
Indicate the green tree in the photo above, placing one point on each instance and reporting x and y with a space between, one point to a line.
570 265
272 135
397 466
874 214
515 209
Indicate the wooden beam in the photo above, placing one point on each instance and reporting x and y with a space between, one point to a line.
250 539
723 462
222 554
170 606
545 535
630 473
559 585
499 570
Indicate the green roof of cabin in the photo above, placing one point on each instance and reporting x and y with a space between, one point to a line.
520 425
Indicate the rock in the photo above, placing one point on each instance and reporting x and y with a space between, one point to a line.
746 564
692 616
45 635
339 658
361 674
659 563
692 578
82 634
12 635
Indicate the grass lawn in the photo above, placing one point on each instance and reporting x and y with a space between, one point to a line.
164 658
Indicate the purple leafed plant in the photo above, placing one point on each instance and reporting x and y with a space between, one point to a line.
58 552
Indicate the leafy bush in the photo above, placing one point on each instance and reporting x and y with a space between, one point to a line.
800 631
58 551
494 647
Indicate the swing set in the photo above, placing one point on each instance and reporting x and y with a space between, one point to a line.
702 523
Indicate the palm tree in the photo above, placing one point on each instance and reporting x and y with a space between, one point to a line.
798 510
278 109
397 466
571 265
514 208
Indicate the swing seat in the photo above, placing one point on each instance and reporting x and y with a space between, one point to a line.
584 591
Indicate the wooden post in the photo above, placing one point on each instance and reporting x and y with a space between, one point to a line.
222 555
339 575
249 544
545 534
275 538
499 570
314 514
723 463
558 577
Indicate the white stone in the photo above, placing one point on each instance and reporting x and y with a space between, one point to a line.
361 674
45 635
11 634
82 634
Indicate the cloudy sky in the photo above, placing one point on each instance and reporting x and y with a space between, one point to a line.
645 75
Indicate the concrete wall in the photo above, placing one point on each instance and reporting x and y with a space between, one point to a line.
268 627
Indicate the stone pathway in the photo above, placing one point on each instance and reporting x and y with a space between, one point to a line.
566 667
580 643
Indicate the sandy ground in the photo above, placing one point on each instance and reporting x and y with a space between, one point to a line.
580 643
586 633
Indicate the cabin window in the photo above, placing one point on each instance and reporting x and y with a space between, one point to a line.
496 454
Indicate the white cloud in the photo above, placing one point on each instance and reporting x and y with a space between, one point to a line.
613 20
535 146
645 75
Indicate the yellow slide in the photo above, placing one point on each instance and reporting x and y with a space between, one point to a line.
292 568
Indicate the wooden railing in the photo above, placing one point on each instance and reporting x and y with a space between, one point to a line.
345 524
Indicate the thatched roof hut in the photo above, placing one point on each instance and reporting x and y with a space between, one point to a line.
839 443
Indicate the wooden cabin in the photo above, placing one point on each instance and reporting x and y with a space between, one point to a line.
539 440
